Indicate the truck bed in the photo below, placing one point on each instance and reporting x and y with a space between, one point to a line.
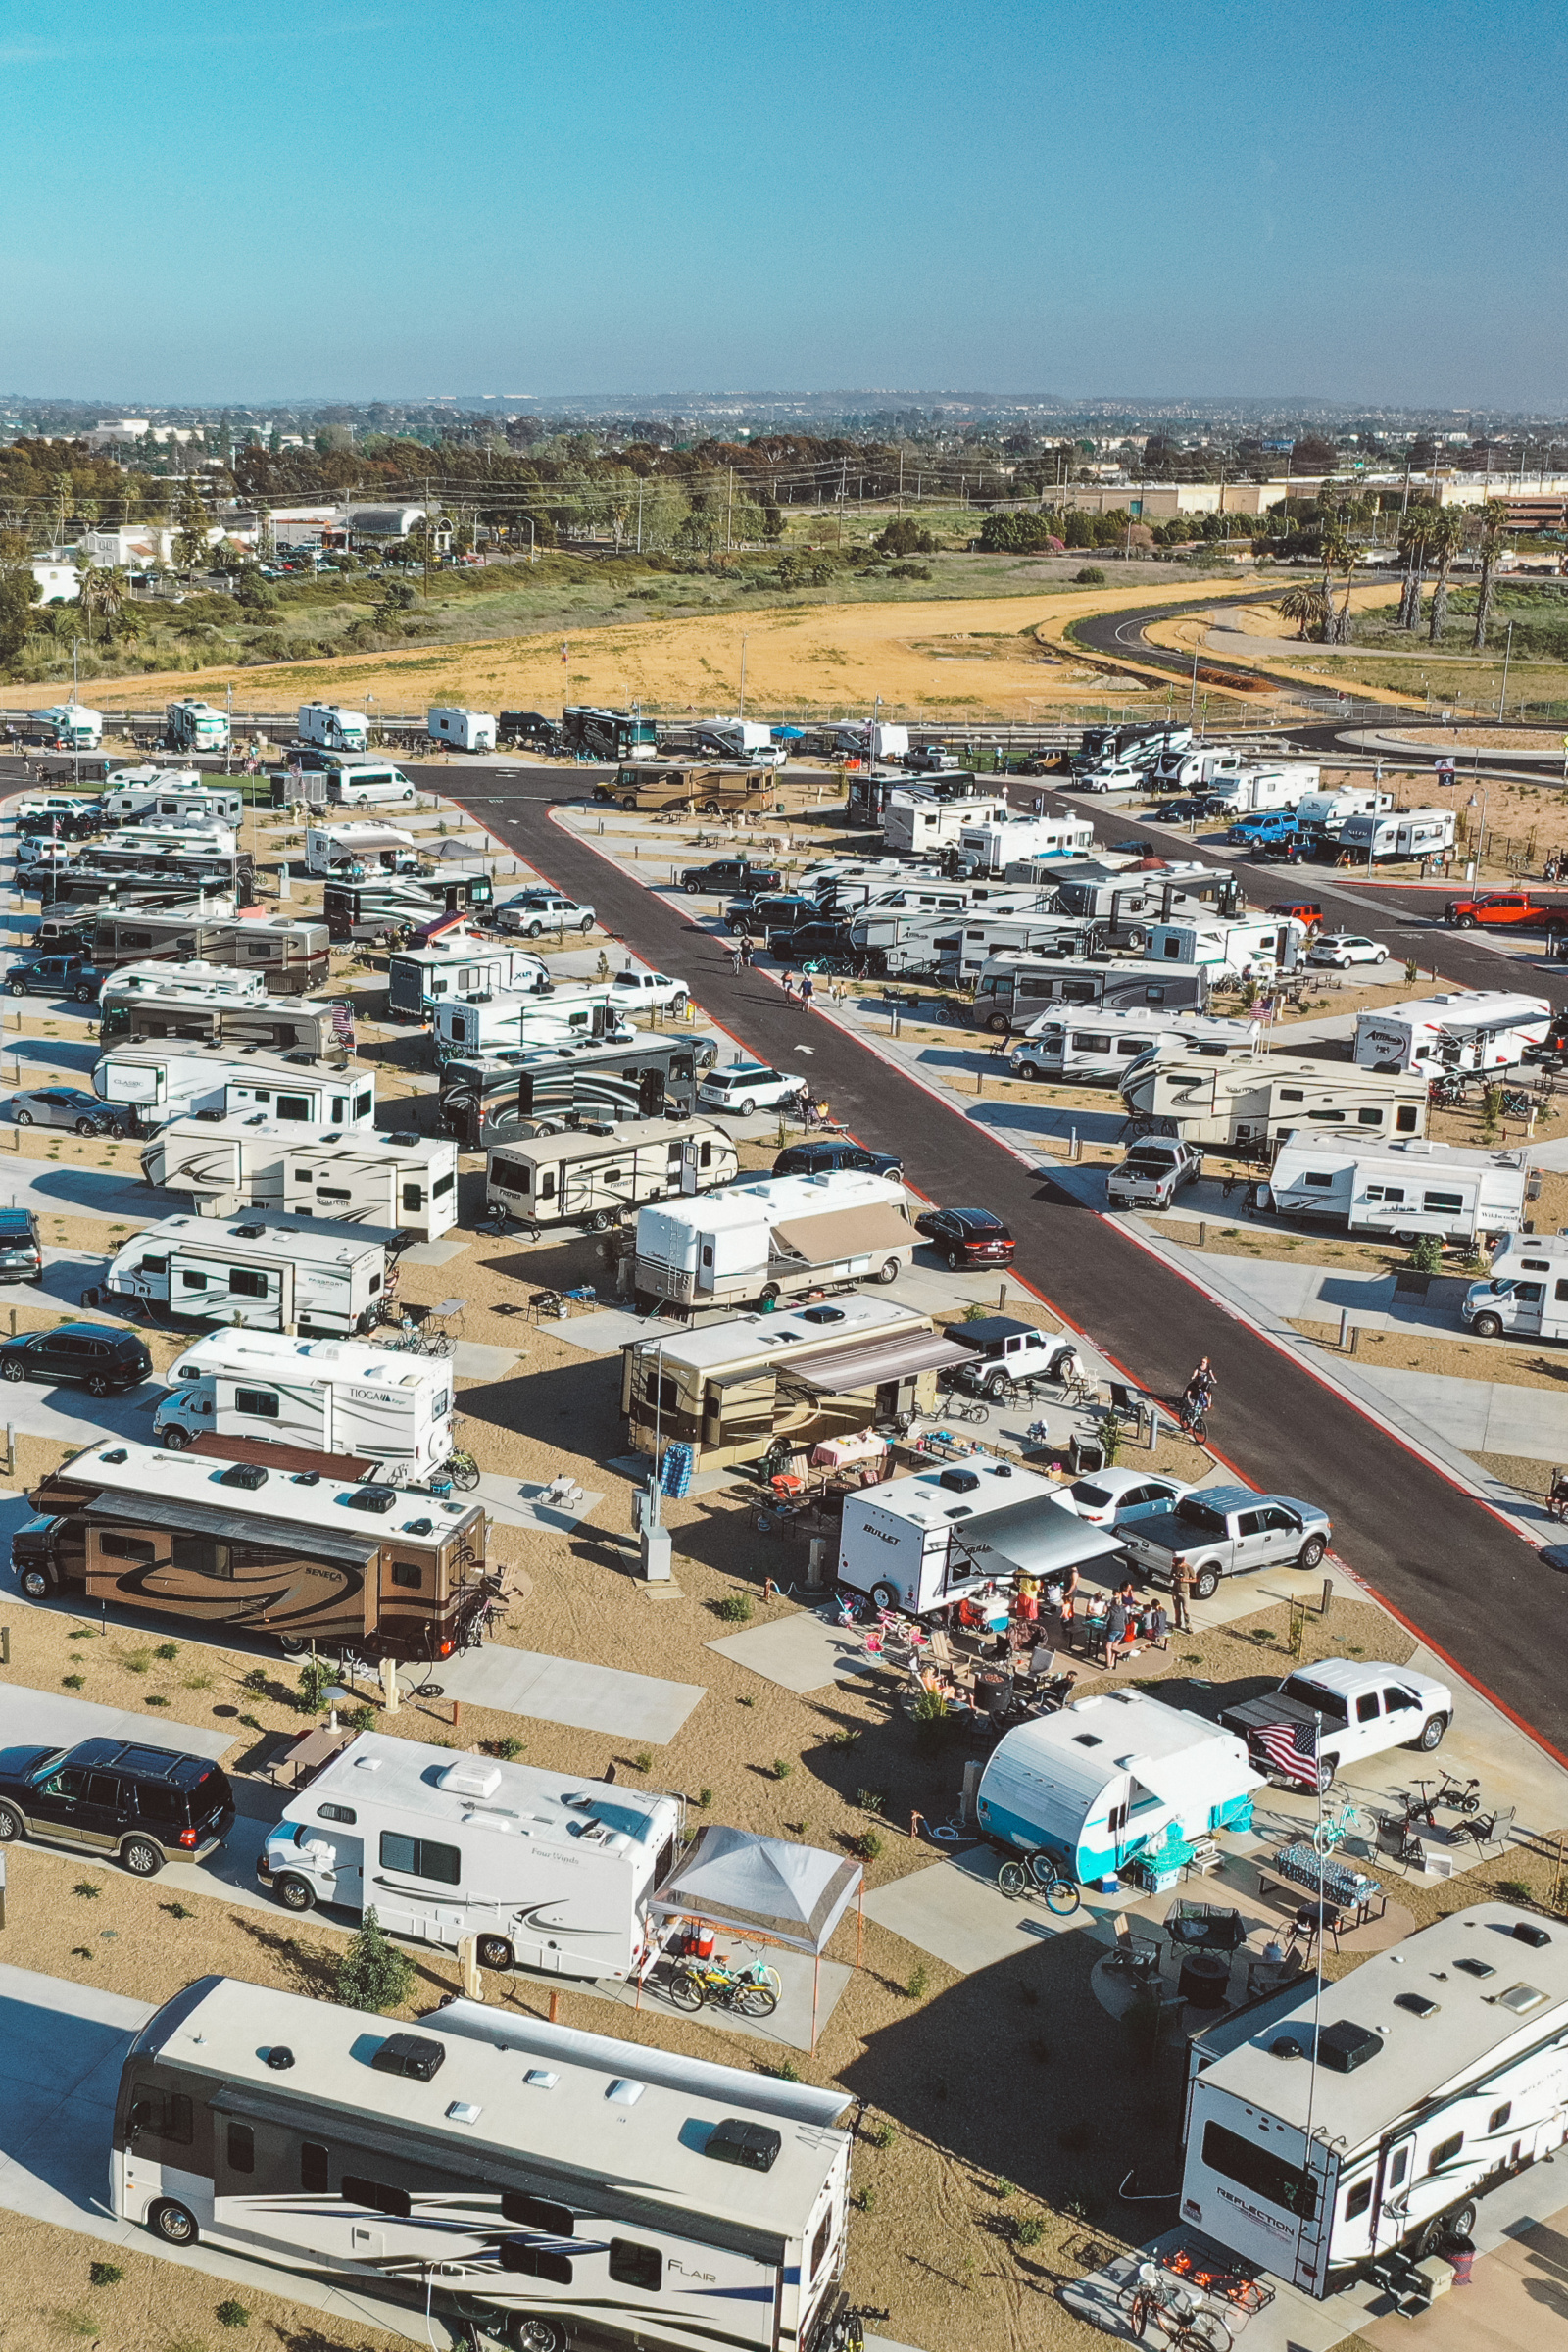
1250 1715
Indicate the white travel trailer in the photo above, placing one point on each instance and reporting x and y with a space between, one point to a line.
506 1020
767 1241
1250 791
329 727
1248 1101
224 982
462 731
405 1183
1103 1045
924 1542
590 1179
1402 1189
992 846
174 1078
1526 1295
1469 1029
1252 950
338 1396
628 2196
171 836
175 794
1402 833
1345 2121
371 849
1184 770
1325 813
268 1272
963 953
459 966
546 1872
917 822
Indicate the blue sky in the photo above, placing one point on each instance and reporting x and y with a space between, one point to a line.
325 199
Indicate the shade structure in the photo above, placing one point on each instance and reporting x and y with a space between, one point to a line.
797 1894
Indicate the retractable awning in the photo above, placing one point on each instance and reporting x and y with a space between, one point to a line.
1033 1539
844 1233
206 1519
1207 1772
867 1366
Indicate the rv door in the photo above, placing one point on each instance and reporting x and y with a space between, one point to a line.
1391 2203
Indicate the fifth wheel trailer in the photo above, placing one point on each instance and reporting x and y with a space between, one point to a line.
266 1271
1014 991
331 1396
588 1177
171 1079
405 1183
1252 1102
549 2185
767 1241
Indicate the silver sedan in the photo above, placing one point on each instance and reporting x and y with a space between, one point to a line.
65 1106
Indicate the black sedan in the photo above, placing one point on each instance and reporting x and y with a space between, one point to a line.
1180 812
837 1152
102 1359
967 1236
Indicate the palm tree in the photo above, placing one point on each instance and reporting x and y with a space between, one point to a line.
1489 538
1448 527
1415 533
1339 553
1307 604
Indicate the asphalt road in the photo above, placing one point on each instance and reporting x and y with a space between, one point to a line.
1440 1558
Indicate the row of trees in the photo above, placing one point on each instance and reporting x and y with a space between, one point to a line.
1429 536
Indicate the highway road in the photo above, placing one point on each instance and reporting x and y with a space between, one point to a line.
1443 1561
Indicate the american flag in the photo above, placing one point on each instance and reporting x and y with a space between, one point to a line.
1291 1749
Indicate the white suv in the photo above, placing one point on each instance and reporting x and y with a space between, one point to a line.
742 1087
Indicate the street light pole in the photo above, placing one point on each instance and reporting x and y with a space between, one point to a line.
1507 652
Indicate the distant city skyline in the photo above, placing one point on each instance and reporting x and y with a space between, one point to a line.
373 203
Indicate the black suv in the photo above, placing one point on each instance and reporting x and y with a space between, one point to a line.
20 1250
837 1152
115 1799
105 1359
732 875
55 976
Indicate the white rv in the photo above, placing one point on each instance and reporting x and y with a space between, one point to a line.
192 727
1526 1295
1400 1189
1205 1101
1254 949
1325 813
462 731
1402 833
405 1183
1187 771
1103 1045
926 1541
1011 992
360 849
917 822
266 1271
339 1396
504 1020
765 1241
1339 2122
548 1871
560 2186
992 846
1470 1029
198 978
328 727
459 966
1250 791
175 1078
588 1179
72 727
963 952
175 796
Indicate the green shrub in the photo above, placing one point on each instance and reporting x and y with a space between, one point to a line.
736 1607
1514 1890
872 1800
104 2274
865 2199
232 2315
255 1682
358 1719
919 1984
507 1749
704 1797
782 1768
881 2135
316 1680
1028 2230
373 1973
74 1681
1425 1253
89 1892
868 1846
643 1760
1089 576
169 1651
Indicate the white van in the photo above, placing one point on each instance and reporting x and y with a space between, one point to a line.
364 786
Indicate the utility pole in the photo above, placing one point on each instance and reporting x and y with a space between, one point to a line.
730 515
742 711
639 518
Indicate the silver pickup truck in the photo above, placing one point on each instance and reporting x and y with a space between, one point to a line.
1223 1531
1153 1172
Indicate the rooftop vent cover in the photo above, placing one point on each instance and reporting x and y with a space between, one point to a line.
1344 2046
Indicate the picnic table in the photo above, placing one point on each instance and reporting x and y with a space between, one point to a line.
1349 1892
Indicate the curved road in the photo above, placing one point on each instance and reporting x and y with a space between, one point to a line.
1447 1564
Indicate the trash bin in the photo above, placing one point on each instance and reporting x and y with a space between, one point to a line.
1461 2252
1085 1455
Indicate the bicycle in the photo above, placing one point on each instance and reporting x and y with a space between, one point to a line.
754 1991
846 2331
1460 1796
1188 2321
1194 1418
1041 1873
462 1469
1334 1828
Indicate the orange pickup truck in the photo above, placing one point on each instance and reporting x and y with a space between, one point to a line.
1500 906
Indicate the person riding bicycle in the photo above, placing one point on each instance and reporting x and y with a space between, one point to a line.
1201 1386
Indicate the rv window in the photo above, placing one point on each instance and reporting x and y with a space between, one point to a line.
536 2213
377 2194
413 1196
128 1547
1258 2169
1441 1203
259 950
631 2265
1397 2169
1405 1118
193 1282
361 1105
1445 2152
422 1858
1359 2198
1321 1182
510 1174
516 2256
1134 1045
1498 2117
243 1283
1560 1292
1335 1117
241 2148
339 1108
262 1405
704 1155
442 1185
821 2242
200 1555
1292 1094
1172 948
1077 992
336 1813
1084 1040
162 2114
313 2168
547 1185
662 1394
297 1106
153 1265
408 1575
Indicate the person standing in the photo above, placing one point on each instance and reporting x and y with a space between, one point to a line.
808 990
1116 1630
789 987
1181 1591
746 951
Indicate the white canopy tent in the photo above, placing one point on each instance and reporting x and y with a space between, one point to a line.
766 1886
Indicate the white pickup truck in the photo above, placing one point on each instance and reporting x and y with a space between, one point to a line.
648 992
1363 1707
1153 1173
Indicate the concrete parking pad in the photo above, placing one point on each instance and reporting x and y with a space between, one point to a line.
606 1331
955 1911
518 1504
790 2026
477 1362
1480 1416
589 1698
800 1653
433 1253
47 1718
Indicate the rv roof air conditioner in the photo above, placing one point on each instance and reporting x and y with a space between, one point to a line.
471 1776
1344 2046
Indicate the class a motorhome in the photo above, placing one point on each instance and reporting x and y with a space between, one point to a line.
564 2186
129 873
266 1271
734 1389
1526 1295
1400 1188
1461 1029
992 844
328 1397
294 1545
1335 2123
172 1078
590 1177
356 849
769 1241
927 1541
404 1183
1013 990
916 820
547 1089
1251 947
1205 1101
239 1022
418 979
1098 1046
476 1027
1402 833
462 731
552 1873
397 905
194 726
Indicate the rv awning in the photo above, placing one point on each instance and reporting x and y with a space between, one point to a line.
210 1519
1206 1773
795 1893
845 1233
868 1366
1034 1539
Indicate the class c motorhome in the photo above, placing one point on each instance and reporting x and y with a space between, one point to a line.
1526 1295
329 1396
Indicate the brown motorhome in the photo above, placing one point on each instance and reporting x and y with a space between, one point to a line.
713 790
